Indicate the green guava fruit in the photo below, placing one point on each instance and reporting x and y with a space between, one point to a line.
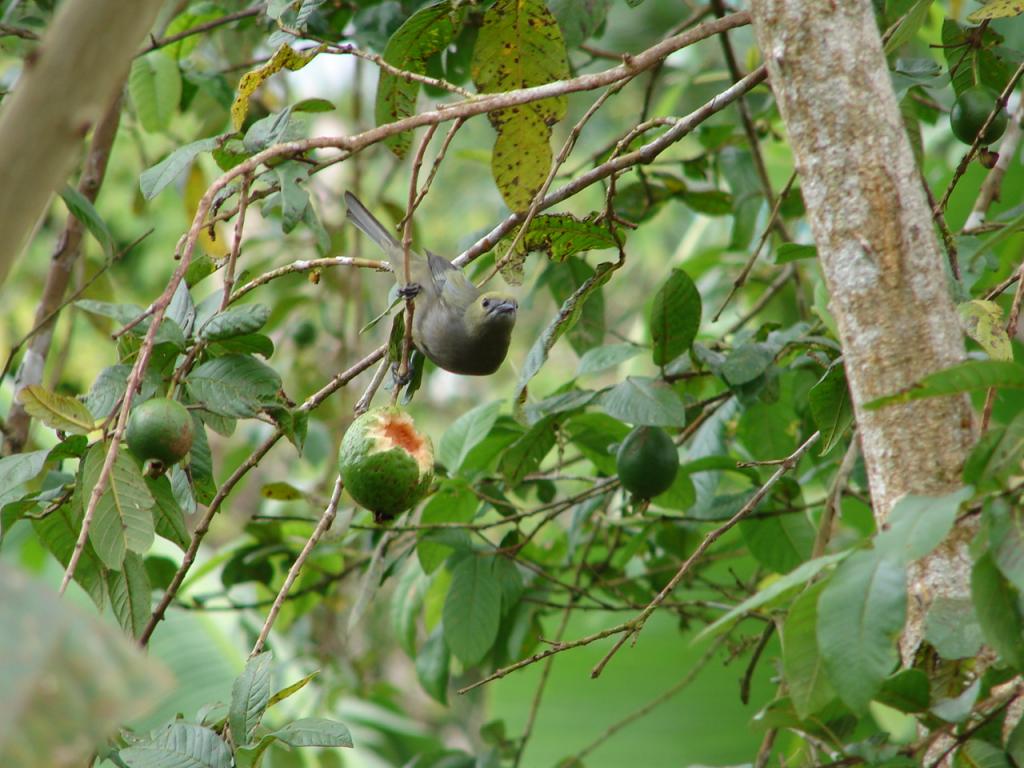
970 111
160 429
385 463
647 462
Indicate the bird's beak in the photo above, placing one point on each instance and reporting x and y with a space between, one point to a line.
504 307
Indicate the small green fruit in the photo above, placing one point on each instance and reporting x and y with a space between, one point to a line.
647 462
160 429
385 463
970 111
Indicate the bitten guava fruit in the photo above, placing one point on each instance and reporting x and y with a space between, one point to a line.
160 429
647 462
970 111
385 462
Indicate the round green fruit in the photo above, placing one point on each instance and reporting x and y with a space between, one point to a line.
160 429
385 463
647 462
970 111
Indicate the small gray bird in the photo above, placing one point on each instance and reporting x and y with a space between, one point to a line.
461 329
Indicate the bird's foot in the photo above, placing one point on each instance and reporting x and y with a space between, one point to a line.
410 291
400 379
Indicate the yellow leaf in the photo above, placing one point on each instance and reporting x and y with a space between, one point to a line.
983 322
57 411
284 58
997 9
195 187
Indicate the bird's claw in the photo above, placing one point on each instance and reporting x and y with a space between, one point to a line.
400 379
410 291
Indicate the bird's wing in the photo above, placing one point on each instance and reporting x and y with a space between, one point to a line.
454 288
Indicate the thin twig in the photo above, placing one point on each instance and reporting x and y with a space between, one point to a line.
993 183
156 43
203 525
658 700
236 245
741 278
293 573
634 625
307 265
637 624
961 169
835 494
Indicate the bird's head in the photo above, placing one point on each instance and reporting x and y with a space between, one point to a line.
492 311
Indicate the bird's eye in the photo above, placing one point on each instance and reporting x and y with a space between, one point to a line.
487 303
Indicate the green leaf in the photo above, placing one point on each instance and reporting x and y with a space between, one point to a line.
918 524
314 732
1006 542
802 664
559 235
519 46
406 604
155 88
976 753
908 691
293 197
235 385
130 594
779 542
996 457
466 432
746 363
183 22
425 33
525 454
250 695
82 209
290 690
643 401
454 502
59 531
952 628
167 515
432 666
775 589
860 613
579 19
180 745
588 328
599 359
788 252
831 406
908 26
472 609
983 322
18 469
235 321
123 521
566 318
970 376
675 317
996 604
57 411
594 434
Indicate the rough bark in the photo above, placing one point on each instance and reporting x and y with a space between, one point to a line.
67 83
880 256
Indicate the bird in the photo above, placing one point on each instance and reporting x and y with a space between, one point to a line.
458 327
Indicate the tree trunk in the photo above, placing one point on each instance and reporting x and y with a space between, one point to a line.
880 256
66 85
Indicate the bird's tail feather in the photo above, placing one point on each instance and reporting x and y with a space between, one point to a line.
368 223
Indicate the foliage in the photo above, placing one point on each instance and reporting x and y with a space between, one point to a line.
668 279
